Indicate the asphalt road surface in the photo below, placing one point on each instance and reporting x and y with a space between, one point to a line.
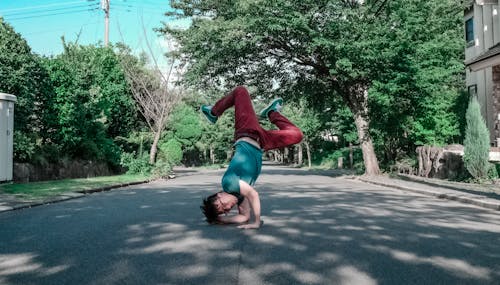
319 229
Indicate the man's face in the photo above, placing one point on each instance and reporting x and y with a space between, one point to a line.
222 203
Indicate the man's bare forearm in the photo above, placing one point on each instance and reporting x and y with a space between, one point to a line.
237 219
253 197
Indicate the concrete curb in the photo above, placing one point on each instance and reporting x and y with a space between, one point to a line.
67 196
468 199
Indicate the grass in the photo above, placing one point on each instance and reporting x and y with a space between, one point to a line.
47 189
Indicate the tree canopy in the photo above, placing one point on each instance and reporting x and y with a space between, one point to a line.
320 49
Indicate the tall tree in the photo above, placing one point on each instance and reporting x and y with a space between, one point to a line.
477 142
307 120
92 102
414 100
341 46
23 75
154 93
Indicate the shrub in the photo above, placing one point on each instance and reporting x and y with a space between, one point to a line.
171 152
136 165
477 142
24 146
331 160
161 169
493 172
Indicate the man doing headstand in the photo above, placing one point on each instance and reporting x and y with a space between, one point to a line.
245 166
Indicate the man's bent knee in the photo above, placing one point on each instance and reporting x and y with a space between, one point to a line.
240 90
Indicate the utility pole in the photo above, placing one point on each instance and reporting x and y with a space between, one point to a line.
105 7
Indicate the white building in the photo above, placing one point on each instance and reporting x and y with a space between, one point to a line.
482 58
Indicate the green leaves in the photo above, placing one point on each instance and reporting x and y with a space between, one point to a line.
408 54
477 142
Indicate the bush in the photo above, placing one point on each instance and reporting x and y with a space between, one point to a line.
24 146
476 143
136 165
171 152
331 160
493 171
162 169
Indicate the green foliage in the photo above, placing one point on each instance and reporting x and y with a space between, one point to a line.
331 160
161 169
22 75
408 53
185 125
171 152
477 142
24 146
417 101
493 171
304 117
136 164
92 102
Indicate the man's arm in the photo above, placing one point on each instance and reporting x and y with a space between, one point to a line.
253 198
242 217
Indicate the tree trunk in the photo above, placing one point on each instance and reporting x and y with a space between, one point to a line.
358 103
212 154
154 148
300 159
351 158
366 143
308 151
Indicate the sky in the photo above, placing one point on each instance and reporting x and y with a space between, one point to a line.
42 23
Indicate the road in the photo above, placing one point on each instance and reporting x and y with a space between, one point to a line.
319 229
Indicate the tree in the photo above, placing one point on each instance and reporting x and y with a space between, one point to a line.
477 142
304 117
414 102
92 102
153 92
341 47
184 125
22 74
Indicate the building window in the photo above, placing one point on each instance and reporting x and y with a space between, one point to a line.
469 30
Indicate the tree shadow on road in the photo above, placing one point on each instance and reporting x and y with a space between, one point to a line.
318 230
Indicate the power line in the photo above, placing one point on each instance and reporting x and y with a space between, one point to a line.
48 5
52 14
49 10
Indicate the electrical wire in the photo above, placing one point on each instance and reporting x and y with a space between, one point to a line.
42 6
50 10
52 14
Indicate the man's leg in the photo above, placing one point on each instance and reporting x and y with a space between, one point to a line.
245 121
288 134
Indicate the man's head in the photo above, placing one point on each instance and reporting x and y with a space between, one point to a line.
209 209
216 204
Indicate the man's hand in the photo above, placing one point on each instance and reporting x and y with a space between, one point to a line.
251 226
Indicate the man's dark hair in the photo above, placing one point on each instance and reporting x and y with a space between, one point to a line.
209 210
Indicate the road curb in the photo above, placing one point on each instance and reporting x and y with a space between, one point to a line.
477 201
68 196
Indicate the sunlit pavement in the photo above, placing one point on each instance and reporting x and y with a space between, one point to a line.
319 229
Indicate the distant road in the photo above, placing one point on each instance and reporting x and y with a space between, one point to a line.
318 229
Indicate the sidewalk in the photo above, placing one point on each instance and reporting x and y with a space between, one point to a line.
486 196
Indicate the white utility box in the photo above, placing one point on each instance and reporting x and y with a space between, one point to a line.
6 135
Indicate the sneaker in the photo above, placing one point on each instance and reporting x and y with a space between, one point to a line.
275 105
207 111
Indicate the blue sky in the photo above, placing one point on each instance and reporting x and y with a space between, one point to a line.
43 22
